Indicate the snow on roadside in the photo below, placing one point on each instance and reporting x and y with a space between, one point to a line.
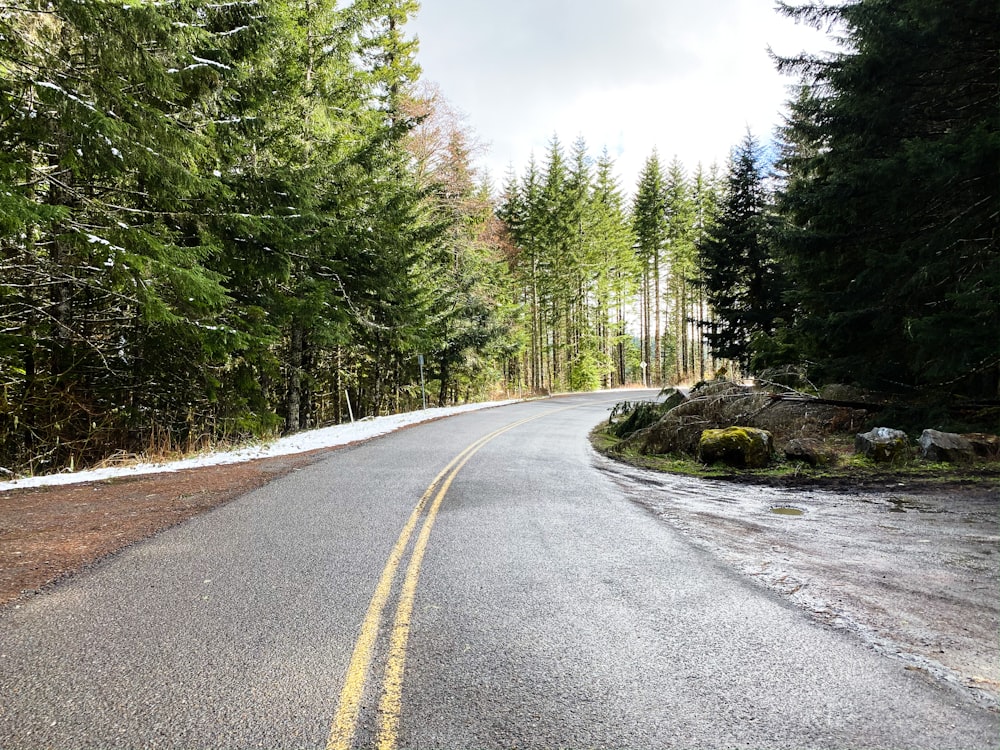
301 442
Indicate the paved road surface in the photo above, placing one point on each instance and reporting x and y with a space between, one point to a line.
470 583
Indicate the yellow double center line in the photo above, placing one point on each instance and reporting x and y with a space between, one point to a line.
346 719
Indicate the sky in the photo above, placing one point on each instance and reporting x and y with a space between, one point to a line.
687 78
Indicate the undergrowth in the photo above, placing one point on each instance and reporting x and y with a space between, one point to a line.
848 467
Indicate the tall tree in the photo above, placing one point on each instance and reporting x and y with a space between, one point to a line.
102 134
650 225
891 195
742 280
468 335
705 203
679 359
614 264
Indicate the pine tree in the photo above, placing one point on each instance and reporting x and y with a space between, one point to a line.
99 136
682 262
614 262
649 218
743 284
522 211
705 203
891 193
467 333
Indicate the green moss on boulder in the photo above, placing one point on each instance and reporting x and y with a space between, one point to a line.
741 447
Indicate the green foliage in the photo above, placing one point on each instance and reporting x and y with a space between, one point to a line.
585 371
627 418
741 277
212 227
572 260
890 196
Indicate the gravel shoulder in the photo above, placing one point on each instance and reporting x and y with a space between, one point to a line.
913 569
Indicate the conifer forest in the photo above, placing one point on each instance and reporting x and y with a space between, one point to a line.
223 221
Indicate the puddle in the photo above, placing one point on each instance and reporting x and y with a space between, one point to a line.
783 510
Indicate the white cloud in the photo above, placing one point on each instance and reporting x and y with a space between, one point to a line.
629 75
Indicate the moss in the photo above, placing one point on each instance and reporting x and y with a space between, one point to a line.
742 447
848 469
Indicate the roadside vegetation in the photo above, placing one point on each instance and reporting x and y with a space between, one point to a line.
813 441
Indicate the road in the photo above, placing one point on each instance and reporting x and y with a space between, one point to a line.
475 582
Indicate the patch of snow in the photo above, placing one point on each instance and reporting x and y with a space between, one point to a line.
301 442
206 61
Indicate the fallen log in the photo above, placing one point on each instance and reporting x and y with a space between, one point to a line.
799 398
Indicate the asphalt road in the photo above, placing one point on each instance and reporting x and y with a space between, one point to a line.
475 582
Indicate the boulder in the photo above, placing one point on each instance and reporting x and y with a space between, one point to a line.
949 447
742 447
985 445
882 444
807 450
710 405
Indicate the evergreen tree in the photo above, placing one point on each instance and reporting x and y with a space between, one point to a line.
521 211
571 254
100 135
891 195
649 219
559 237
468 332
705 203
614 262
743 284
682 262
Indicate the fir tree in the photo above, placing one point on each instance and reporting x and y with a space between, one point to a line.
892 193
742 281
614 262
649 218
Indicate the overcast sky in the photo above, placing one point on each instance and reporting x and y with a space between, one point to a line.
630 75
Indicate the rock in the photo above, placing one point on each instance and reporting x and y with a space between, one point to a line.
985 445
679 431
743 447
807 450
883 444
946 446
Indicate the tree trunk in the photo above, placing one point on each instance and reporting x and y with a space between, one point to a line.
294 399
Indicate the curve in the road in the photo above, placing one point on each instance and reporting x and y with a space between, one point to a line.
390 705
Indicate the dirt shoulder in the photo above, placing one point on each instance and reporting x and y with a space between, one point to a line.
48 533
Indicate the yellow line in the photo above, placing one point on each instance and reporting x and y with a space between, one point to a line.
391 703
346 718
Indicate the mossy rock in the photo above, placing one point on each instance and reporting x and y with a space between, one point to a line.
809 451
882 445
741 447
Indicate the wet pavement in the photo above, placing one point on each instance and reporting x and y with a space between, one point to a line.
914 573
